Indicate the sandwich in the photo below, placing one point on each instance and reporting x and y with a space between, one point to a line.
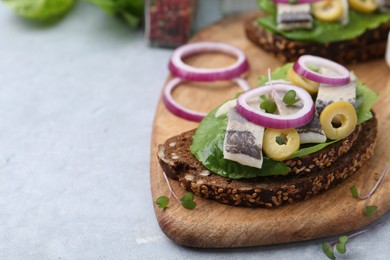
346 31
305 129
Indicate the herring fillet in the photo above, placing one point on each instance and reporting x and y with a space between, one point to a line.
243 140
344 19
384 5
312 132
309 133
328 94
294 16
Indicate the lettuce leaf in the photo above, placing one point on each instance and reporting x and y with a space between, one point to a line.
267 6
324 32
365 99
311 149
207 143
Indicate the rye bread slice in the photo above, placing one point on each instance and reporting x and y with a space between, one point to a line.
178 163
368 46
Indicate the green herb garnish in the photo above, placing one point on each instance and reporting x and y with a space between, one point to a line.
289 97
340 246
269 106
328 248
281 140
313 68
188 200
354 192
162 202
370 210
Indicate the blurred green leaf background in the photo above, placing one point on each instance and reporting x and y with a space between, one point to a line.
131 11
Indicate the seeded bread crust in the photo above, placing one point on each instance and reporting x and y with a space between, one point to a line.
179 164
368 46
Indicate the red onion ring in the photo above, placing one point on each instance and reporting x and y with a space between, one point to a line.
259 117
179 110
300 67
296 2
179 69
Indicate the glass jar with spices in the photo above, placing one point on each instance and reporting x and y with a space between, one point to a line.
168 23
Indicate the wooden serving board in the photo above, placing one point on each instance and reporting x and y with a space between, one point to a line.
214 225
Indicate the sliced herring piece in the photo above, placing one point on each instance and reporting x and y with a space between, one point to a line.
384 5
243 140
345 18
309 133
224 109
292 26
312 132
329 94
296 16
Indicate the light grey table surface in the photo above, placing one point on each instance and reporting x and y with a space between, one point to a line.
77 102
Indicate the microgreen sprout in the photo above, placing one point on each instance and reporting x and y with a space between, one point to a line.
289 97
340 246
354 192
313 68
187 201
269 106
281 140
340 243
162 202
328 250
369 210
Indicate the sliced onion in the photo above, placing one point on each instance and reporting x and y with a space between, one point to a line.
187 72
179 110
260 117
295 2
340 75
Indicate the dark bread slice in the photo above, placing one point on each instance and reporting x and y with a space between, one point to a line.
368 46
178 163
